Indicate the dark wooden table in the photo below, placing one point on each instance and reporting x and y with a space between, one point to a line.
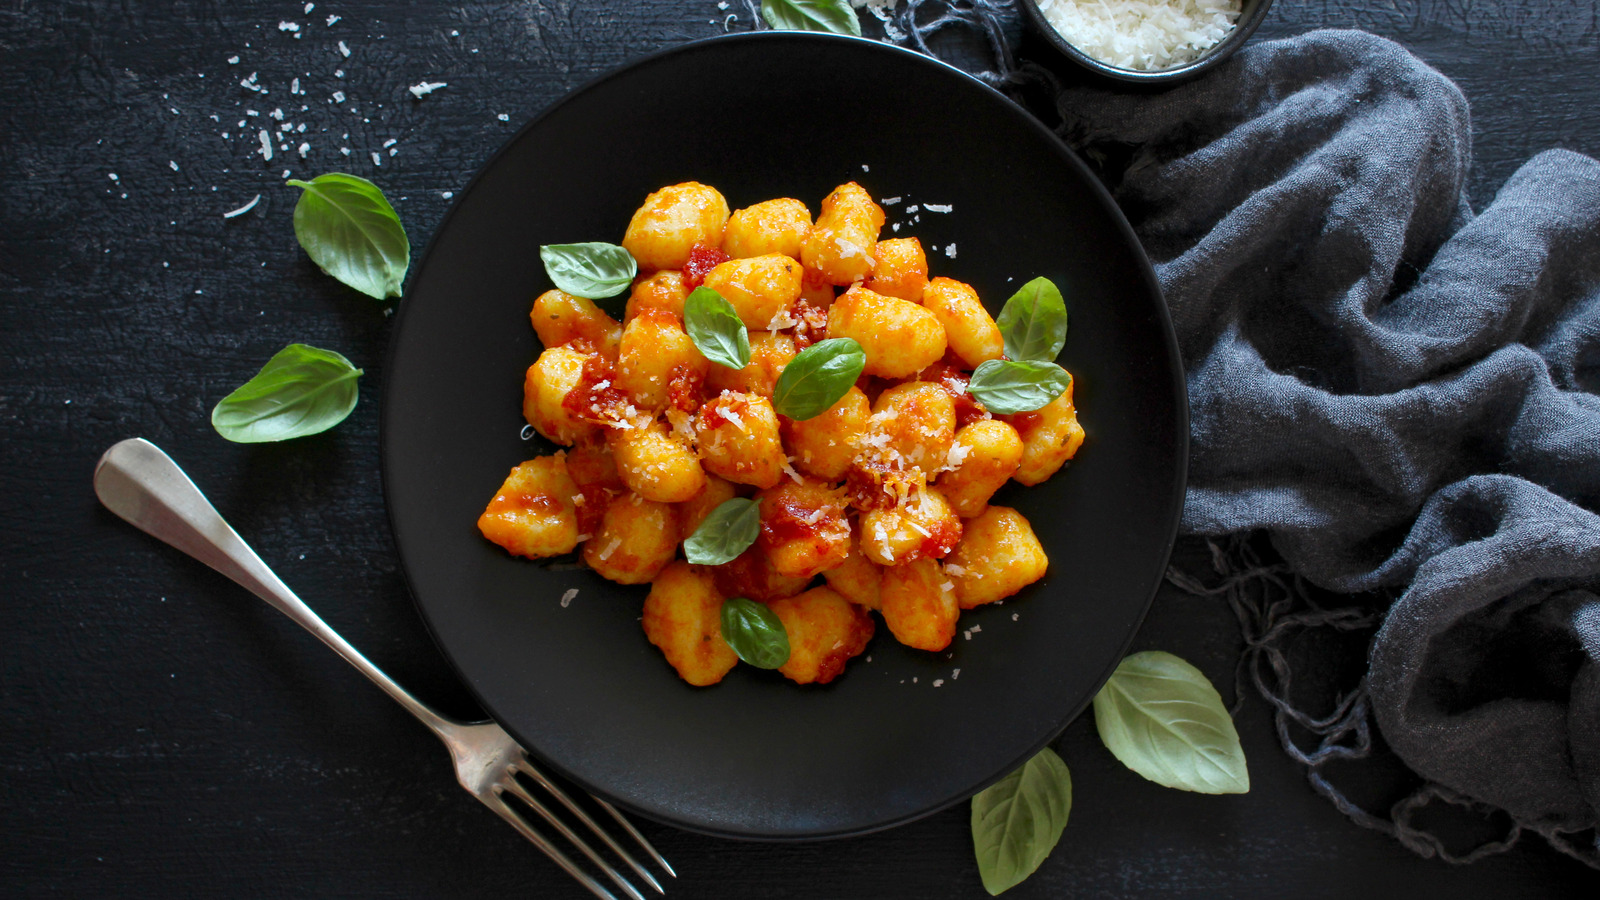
164 734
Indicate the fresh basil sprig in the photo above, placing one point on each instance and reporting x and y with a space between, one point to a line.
755 633
835 16
594 270
1017 821
1163 719
349 229
714 326
814 380
730 530
1033 323
1006 386
301 390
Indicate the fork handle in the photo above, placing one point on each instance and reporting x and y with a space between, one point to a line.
140 483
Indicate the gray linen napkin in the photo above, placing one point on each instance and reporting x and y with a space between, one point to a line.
1404 396
1400 393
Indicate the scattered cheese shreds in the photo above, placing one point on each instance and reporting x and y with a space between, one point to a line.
233 213
425 88
938 207
288 26
266 146
344 50
567 597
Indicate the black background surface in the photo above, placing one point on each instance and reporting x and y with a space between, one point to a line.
165 734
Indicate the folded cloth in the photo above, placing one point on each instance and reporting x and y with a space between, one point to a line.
1400 393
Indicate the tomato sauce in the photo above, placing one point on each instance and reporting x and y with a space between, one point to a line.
683 388
750 575
784 519
702 259
946 374
813 327
596 397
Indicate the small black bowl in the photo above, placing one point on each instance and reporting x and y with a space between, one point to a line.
1250 15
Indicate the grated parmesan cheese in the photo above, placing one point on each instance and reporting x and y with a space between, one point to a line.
425 88
1142 34
235 213
568 597
956 456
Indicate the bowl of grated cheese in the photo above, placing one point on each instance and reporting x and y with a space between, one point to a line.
1147 41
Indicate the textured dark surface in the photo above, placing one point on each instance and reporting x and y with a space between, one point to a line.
166 734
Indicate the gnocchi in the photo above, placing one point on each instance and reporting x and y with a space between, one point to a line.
879 504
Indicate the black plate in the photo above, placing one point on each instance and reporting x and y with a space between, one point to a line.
759 116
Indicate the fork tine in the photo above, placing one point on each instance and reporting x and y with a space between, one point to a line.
539 840
511 786
529 770
628 826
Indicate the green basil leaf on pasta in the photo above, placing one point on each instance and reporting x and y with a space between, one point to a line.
349 229
1033 323
1006 386
714 326
835 16
1017 821
1164 720
301 390
729 531
755 633
814 380
594 270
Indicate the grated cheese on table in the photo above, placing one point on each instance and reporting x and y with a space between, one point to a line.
234 213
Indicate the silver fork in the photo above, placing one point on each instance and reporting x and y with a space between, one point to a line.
138 482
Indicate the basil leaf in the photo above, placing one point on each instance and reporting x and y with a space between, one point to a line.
1017 821
594 271
836 16
1033 322
1006 386
714 326
301 390
1164 720
815 380
755 633
730 530
350 231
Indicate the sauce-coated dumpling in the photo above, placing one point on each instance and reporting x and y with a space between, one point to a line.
672 221
884 496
